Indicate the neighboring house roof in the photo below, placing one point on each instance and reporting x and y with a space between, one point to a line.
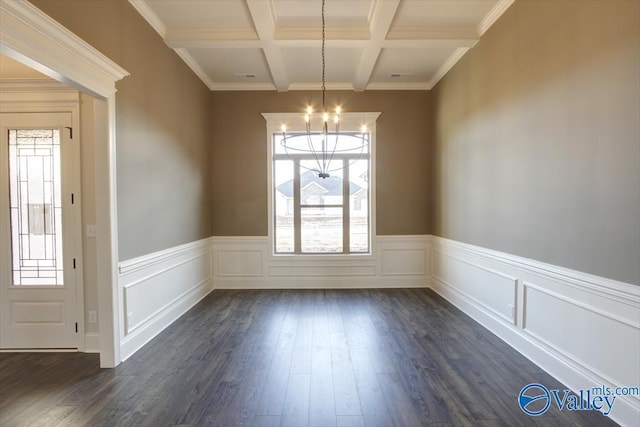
332 185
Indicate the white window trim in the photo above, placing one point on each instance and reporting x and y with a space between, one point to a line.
350 122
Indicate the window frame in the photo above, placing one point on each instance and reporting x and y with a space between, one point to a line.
350 122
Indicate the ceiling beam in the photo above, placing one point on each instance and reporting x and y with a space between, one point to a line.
261 12
210 43
383 13
315 33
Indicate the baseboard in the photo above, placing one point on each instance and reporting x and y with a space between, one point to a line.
248 263
543 312
159 288
92 342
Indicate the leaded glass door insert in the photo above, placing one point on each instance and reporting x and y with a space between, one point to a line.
35 207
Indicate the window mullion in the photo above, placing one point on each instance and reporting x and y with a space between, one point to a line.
346 222
297 217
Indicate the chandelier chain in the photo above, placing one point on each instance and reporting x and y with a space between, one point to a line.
323 60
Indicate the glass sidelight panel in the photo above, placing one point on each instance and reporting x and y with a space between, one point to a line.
36 207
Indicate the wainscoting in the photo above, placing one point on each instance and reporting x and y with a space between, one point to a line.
158 288
248 263
582 329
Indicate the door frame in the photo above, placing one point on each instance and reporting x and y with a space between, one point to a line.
30 36
58 100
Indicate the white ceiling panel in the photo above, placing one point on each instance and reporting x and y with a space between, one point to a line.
202 13
278 42
233 65
296 13
306 64
442 13
409 65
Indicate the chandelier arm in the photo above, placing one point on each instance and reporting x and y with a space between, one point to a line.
312 150
335 145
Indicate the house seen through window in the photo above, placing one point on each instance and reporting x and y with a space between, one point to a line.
315 215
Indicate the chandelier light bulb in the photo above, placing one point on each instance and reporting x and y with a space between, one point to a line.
363 129
309 109
336 119
325 117
306 118
338 110
283 128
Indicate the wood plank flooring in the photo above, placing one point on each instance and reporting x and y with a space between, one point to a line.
374 358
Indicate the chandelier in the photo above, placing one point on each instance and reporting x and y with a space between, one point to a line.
325 144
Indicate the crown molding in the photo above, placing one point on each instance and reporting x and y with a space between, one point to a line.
149 15
195 67
398 86
448 65
32 37
244 86
318 85
493 15
432 33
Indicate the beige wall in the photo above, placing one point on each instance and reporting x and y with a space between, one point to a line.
538 138
162 128
239 139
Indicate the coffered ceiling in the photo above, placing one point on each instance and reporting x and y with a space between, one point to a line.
276 44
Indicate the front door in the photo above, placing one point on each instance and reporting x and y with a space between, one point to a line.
38 214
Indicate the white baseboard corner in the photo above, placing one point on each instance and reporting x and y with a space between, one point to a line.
92 342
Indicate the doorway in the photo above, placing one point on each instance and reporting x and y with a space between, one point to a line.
30 36
40 245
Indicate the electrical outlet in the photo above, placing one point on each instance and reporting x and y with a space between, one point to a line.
92 231
130 319
511 311
93 316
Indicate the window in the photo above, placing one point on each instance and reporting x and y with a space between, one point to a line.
36 206
314 215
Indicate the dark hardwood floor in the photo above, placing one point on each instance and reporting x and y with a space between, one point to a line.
291 358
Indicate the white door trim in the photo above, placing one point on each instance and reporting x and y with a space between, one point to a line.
35 39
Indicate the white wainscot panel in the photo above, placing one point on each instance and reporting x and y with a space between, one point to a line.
247 262
605 343
158 288
147 297
240 263
320 270
404 262
491 289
